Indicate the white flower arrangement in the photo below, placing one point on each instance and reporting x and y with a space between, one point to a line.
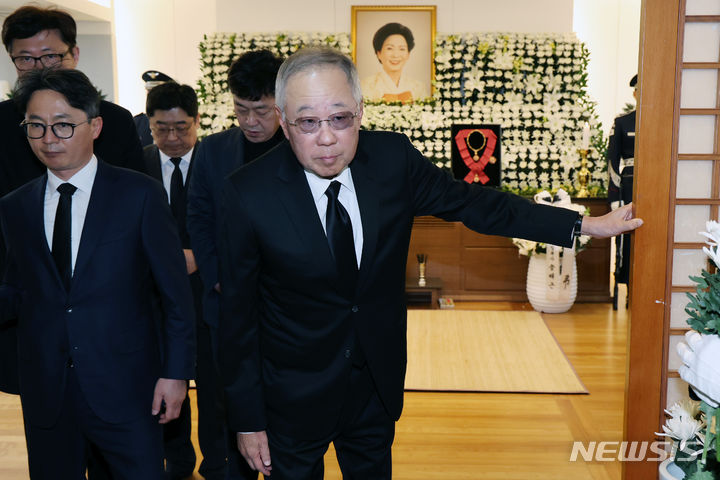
685 425
694 441
533 85
693 425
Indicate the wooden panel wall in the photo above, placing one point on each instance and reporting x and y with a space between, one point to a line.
483 267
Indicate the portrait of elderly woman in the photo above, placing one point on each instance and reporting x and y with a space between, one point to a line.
393 44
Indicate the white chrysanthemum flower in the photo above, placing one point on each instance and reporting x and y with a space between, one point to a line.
712 233
686 407
682 428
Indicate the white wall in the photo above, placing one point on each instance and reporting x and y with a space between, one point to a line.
611 31
452 15
164 34
158 35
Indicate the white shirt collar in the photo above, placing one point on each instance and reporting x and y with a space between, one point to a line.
82 180
165 159
318 185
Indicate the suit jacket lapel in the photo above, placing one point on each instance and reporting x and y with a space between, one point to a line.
96 217
190 167
295 195
36 220
153 166
367 197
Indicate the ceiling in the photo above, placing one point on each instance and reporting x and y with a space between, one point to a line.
8 6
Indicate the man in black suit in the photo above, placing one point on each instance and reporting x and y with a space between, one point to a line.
313 250
36 38
252 82
621 160
173 120
87 243
152 79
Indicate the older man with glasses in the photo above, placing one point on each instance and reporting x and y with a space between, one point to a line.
313 250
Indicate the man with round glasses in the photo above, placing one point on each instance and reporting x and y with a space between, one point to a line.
313 257
37 38
88 244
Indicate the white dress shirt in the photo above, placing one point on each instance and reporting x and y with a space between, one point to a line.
348 199
167 167
83 180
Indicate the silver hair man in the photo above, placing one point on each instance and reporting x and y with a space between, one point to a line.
311 58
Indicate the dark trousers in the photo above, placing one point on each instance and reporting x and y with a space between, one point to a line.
221 459
622 242
177 443
218 438
131 450
363 440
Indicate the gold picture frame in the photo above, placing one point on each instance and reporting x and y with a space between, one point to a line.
394 77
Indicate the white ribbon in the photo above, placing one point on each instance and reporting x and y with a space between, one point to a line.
559 260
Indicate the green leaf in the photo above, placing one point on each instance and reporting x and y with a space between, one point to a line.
701 476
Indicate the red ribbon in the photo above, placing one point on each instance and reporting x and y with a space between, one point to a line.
477 167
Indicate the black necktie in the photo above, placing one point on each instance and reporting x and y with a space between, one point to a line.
61 246
177 192
340 238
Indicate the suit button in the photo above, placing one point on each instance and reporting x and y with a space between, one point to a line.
355 309
347 353
75 348
68 310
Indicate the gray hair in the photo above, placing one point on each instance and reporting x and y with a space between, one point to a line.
314 58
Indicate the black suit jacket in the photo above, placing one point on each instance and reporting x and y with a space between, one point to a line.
118 144
287 331
620 146
217 156
151 154
154 169
105 322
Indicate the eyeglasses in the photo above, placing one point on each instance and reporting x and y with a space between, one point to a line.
337 121
180 130
62 130
27 62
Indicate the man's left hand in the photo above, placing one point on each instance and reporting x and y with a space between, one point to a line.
614 223
172 392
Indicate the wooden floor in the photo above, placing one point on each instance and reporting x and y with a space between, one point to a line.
481 435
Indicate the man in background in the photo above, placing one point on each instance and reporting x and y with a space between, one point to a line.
172 110
152 79
621 159
252 82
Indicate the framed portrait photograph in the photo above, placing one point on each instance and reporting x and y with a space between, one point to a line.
393 51
476 153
